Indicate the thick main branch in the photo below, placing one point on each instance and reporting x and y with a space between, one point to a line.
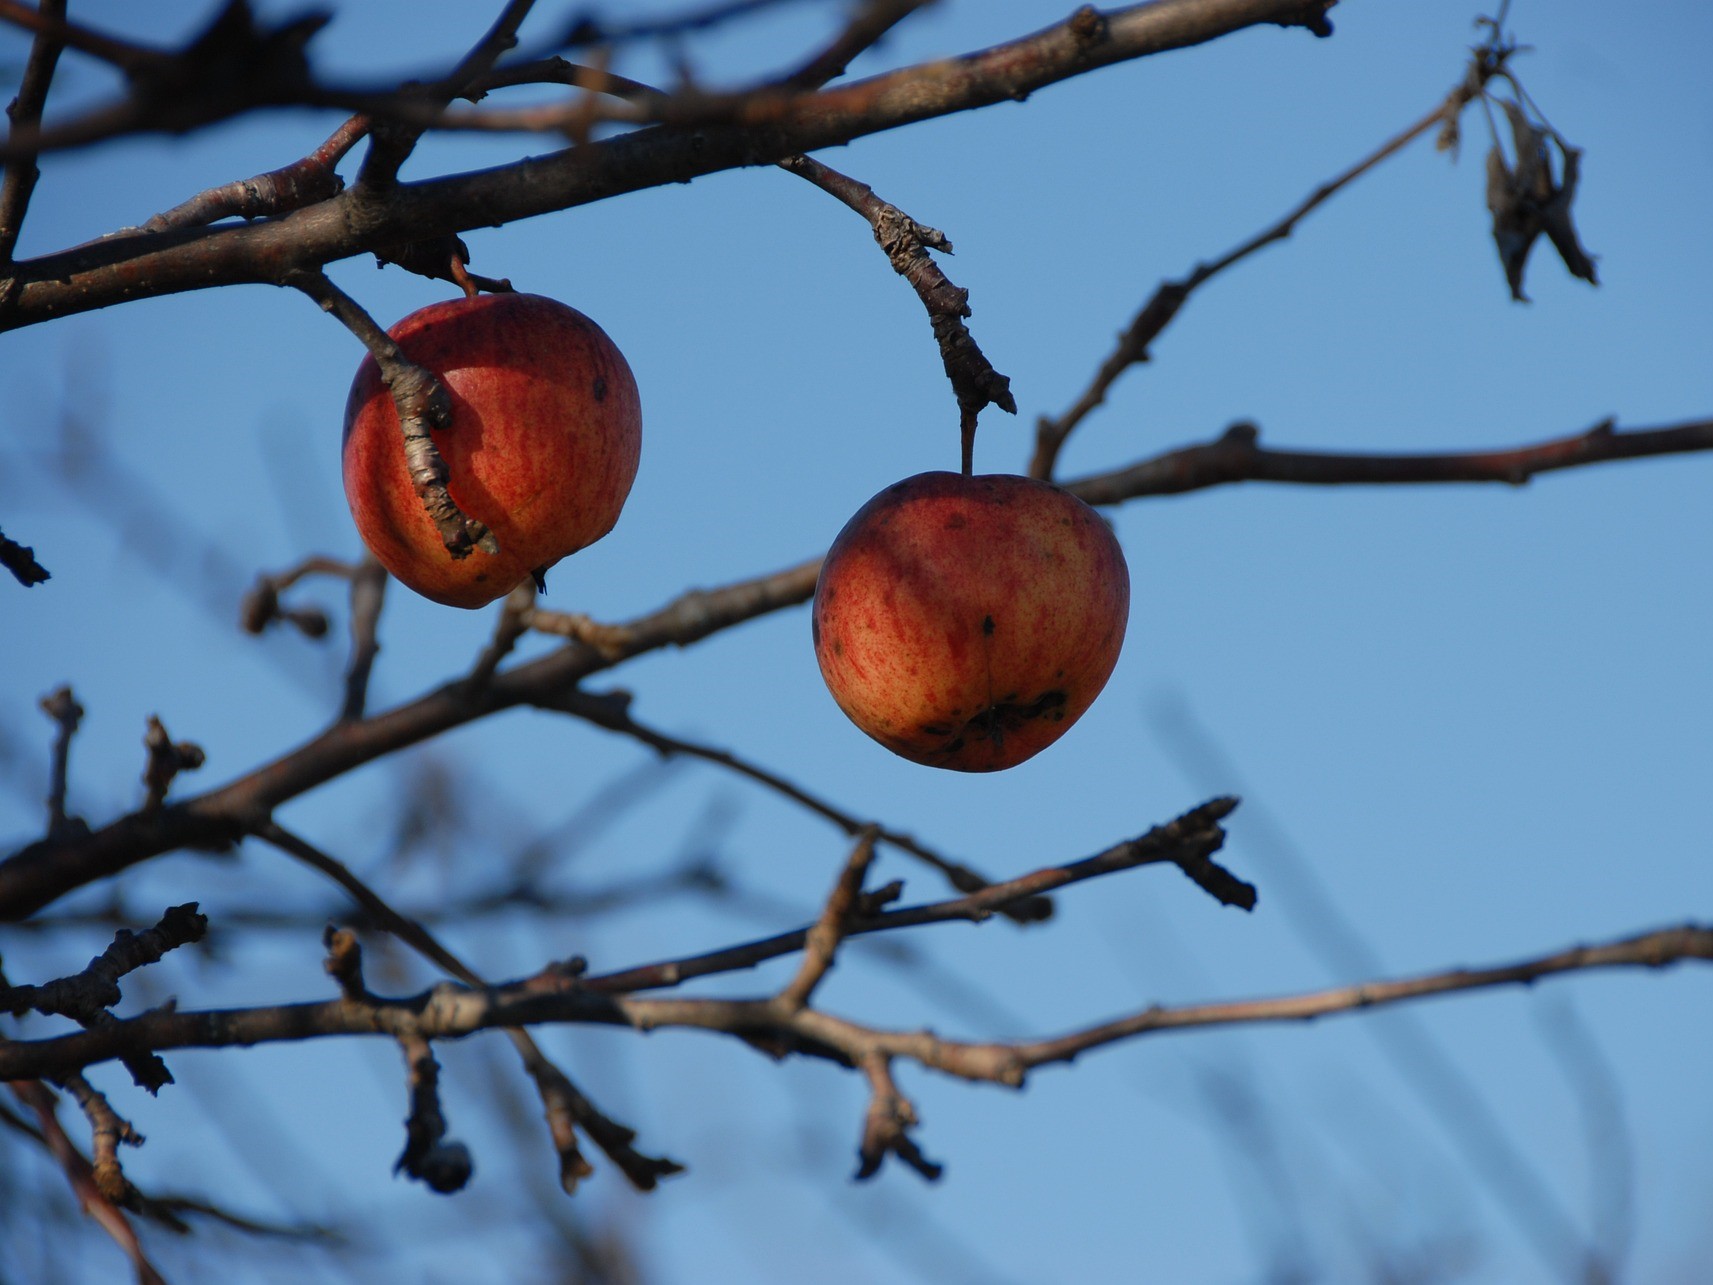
768 130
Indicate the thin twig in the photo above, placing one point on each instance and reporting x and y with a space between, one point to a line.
261 606
62 707
392 142
611 710
48 19
559 1096
887 1122
423 405
1170 296
25 113
821 943
368 596
107 1130
96 988
291 187
440 1165
867 26
511 625
85 997
167 758
1237 456
80 1174
1188 842
975 383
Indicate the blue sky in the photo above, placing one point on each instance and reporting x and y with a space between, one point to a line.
1478 716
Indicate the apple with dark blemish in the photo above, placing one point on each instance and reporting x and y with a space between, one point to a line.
545 437
967 622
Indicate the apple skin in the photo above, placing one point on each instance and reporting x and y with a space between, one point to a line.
967 622
545 438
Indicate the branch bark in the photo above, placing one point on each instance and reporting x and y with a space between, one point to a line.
772 128
44 871
449 1012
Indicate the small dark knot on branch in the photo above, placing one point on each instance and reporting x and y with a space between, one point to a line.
445 1168
1316 22
569 969
167 758
344 962
1245 433
1088 25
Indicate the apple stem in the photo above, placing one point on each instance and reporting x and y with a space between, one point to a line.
968 427
463 278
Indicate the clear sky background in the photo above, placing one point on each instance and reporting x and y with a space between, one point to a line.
1472 720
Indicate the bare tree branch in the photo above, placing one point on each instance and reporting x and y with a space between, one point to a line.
772 129
291 187
392 143
1237 456
262 607
1170 296
423 405
368 596
44 871
66 713
975 382
551 997
563 1102
167 758
25 113
870 22
80 1174
611 710
1188 842
822 941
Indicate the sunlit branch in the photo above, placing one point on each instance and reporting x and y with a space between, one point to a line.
554 997
774 128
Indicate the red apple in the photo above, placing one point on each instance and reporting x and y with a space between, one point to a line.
543 446
967 622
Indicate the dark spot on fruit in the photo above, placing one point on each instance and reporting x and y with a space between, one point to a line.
957 522
987 625
999 719
600 388
838 648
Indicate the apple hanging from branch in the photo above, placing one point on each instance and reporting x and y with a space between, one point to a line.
967 621
543 444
